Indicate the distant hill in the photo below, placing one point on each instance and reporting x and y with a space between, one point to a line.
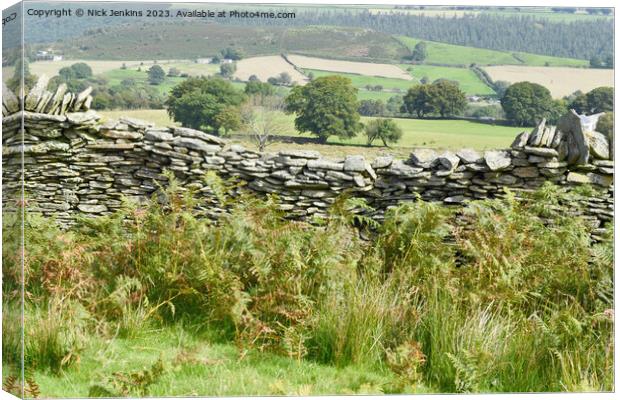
194 39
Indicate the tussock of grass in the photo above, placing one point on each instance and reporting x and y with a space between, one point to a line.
508 304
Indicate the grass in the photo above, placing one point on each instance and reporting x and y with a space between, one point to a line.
443 53
360 81
468 81
197 365
440 134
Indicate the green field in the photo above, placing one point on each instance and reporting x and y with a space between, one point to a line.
440 134
467 79
443 53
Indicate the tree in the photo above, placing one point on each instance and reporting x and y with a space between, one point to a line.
595 101
232 54
173 71
156 75
21 65
419 52
596 62
500 87
600 99
82 70
394 104
196 102
441 97
256 87
228 119
371 108
384 129
326 107
418 100
447 99
227 70
262 117
526 103
605 124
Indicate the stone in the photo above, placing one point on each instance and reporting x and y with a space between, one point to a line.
112 134
324 164
399 168
547 136
9 100
354 163
448 160
578 148
423 157
541 151
521 140
92 208
309 154
537 134
590 178
195 144
80 99
196 134
382 162
157 135
557 139
135 123
34 95
469 156
56 99
497 160
599 145
79 118
525 172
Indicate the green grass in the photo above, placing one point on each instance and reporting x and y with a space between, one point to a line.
467 79
443 53
215 369
116 76
441 134
360 81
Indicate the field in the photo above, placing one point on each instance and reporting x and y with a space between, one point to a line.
438 134
267 67
361 68
361 81
560 81
443 53
115 77
467 79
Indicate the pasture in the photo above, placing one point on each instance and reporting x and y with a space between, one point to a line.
353 67
437 134
560 81
467 79
266 67
444 53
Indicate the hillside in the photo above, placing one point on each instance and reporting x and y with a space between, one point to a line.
193 39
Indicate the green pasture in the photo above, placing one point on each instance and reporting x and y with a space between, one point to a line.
443 53
440 134
468 81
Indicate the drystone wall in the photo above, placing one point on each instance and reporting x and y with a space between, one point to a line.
75 164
